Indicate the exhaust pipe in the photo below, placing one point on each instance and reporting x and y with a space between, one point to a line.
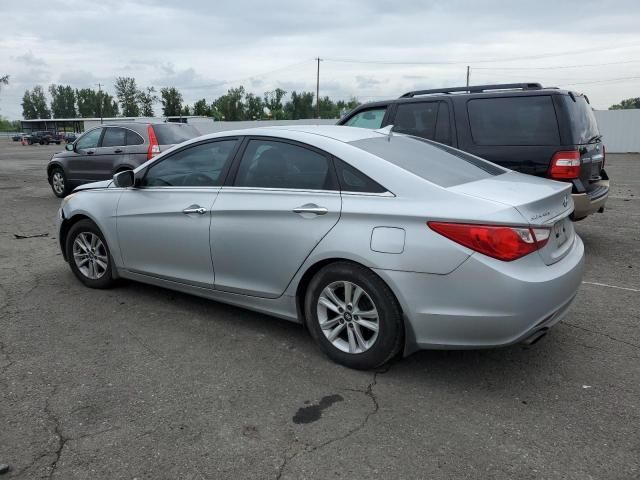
535 336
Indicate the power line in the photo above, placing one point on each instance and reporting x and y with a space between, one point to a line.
610 80
475 61
558 67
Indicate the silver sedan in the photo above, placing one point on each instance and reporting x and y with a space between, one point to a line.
379 243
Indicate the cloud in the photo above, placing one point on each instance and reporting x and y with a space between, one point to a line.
203 47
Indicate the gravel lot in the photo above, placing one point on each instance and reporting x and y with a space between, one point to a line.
141 382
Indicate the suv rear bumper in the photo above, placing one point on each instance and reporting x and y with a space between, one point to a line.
587 203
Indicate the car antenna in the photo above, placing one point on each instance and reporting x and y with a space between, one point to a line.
386 131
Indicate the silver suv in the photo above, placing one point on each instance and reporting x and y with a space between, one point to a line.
101 152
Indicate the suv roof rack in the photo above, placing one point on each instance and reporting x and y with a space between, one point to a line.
476 89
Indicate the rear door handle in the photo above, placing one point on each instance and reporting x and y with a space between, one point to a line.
311 208
117 151
195 209
89 152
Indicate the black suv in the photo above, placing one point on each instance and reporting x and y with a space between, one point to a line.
44 138
525 127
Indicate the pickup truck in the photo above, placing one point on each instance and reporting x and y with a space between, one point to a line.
44 138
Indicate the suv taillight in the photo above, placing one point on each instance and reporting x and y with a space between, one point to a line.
565 165
154 147
497 241
604 156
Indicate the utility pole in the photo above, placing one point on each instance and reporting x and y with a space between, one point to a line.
318 88
100 100
468 78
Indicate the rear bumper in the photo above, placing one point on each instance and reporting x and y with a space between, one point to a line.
485 302
587 203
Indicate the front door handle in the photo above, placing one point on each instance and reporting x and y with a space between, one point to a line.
311 208
195 209
117 151
89 152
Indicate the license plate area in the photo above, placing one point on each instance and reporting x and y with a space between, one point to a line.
560 232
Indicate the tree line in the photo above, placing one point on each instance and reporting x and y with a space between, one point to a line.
133 101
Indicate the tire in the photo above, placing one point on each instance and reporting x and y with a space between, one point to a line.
357 344
58 182
88 255
30 142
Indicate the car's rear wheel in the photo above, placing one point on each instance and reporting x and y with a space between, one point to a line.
58 181
88 255
353 316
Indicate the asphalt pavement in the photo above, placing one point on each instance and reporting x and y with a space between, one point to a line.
142 382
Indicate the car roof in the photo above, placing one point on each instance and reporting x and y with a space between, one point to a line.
335 132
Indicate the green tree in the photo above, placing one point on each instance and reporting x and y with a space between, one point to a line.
127 93
186 111
63 101
171 101
34 104
300 106
254 107
273 101
201 108
626 104
230 105
89 104
4 80
146 99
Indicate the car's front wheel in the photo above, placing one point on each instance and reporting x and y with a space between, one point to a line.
58 181
88 255
353 316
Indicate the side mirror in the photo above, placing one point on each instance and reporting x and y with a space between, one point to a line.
124 179
70 147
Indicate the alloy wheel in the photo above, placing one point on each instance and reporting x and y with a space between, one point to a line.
57 181
348 317
90 255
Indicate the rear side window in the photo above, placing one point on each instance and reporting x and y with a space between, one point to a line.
431 161
513 121
202 165
428 120
272 164
353 180
133 138
368 119
114 137
172 133
581 118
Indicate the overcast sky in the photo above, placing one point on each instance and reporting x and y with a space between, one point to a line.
204 47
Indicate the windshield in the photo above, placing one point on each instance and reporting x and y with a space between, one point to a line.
437 163
170 134
581 118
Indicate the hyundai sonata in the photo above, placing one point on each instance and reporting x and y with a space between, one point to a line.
378 242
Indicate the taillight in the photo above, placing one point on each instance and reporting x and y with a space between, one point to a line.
501 242
154 147
565 165
604 156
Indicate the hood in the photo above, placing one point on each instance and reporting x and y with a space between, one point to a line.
539 200
94 185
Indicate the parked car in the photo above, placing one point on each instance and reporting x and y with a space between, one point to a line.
44 138
545 132
376 241
70 137
102 151
18 136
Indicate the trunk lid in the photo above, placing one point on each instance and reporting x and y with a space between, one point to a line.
542 203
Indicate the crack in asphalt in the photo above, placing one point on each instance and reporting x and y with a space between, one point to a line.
307 449
602 334
62 440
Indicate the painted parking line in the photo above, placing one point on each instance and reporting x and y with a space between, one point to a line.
629 289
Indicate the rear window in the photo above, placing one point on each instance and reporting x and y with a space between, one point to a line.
170 134
513 121
437 163
581 119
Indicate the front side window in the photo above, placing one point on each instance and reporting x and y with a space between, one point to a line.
114 137
513 121
273 164
368 119
89 139
202 165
